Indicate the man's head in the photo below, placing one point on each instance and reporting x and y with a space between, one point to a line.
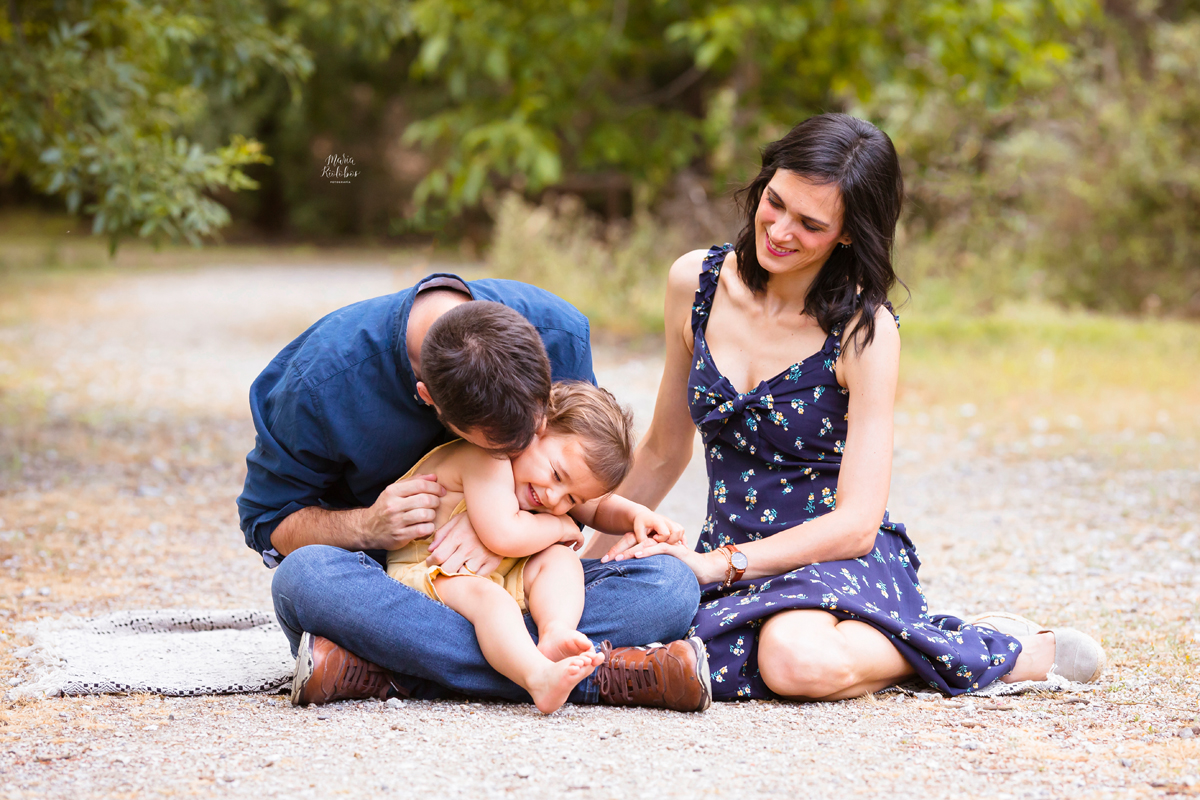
484 368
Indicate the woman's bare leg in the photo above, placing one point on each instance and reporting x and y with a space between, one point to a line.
506 645
554 593
1035 660
812 655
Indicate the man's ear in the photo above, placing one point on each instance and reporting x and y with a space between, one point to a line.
423 393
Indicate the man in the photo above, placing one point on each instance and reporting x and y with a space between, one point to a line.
353 403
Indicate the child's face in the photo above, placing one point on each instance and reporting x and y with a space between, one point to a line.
551 475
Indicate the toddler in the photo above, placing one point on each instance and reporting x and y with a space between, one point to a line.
518 509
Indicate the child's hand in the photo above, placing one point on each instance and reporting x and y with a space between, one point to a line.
572 536
651 525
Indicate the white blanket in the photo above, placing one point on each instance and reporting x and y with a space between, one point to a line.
174 652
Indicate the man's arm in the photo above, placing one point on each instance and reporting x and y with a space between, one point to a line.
403 512
293 466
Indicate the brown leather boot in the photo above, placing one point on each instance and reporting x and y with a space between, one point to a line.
673 676
326 672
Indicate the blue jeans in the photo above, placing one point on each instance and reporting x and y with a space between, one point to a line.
348 598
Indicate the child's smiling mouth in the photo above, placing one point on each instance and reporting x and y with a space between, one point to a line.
533 497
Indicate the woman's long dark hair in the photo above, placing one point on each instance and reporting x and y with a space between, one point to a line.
860 159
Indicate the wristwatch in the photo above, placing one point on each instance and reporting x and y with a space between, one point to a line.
737 564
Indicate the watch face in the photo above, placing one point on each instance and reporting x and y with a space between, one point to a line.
740 561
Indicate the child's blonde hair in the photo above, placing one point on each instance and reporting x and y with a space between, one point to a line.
580 409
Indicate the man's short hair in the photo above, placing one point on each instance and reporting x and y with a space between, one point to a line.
486 368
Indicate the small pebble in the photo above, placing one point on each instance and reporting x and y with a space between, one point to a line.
1186 733
395 702
970 744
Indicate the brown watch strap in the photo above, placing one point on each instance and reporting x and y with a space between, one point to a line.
737 573
732 574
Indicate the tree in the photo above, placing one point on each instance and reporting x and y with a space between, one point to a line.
541 93
94 93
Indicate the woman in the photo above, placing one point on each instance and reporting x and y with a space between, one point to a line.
784 351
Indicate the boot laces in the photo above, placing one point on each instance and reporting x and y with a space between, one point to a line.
617 679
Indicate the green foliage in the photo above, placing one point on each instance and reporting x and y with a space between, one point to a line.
93 93
541 93
615 273
1086 192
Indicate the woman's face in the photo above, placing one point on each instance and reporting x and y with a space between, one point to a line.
551 475
798 223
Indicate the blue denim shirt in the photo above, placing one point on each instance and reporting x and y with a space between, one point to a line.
337 414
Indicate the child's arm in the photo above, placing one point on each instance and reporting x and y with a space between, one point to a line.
495 514
618 515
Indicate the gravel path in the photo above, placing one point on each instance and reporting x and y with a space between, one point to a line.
123 432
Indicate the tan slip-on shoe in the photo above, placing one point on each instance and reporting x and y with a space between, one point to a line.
1077 656
326 672
673 676
1006 623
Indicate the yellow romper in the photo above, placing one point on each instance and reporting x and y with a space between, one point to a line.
408 566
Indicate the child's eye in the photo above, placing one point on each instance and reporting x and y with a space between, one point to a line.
555 472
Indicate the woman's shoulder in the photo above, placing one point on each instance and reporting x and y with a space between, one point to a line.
884 344
684 276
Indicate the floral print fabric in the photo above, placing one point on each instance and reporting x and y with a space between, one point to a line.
773 455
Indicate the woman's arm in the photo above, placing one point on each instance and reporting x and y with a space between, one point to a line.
496 515
863 480
666 449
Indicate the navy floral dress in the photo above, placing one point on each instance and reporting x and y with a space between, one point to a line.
773 455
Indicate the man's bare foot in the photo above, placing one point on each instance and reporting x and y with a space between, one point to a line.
557 644
553 684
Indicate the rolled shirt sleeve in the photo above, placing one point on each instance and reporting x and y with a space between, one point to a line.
290 467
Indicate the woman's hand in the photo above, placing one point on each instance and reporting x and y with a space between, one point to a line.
648 526
708 567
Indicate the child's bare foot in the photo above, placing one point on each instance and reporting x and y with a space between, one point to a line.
557 644
553 684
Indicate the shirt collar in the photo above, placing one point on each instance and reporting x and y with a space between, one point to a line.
438 280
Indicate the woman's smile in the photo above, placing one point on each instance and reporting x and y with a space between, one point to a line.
778 252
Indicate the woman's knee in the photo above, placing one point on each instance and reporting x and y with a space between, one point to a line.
803 658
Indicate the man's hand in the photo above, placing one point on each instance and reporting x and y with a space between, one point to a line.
456 547
403 512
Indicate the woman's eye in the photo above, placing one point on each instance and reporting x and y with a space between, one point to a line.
774 203
812 228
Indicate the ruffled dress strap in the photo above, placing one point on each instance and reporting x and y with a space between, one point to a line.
702 304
